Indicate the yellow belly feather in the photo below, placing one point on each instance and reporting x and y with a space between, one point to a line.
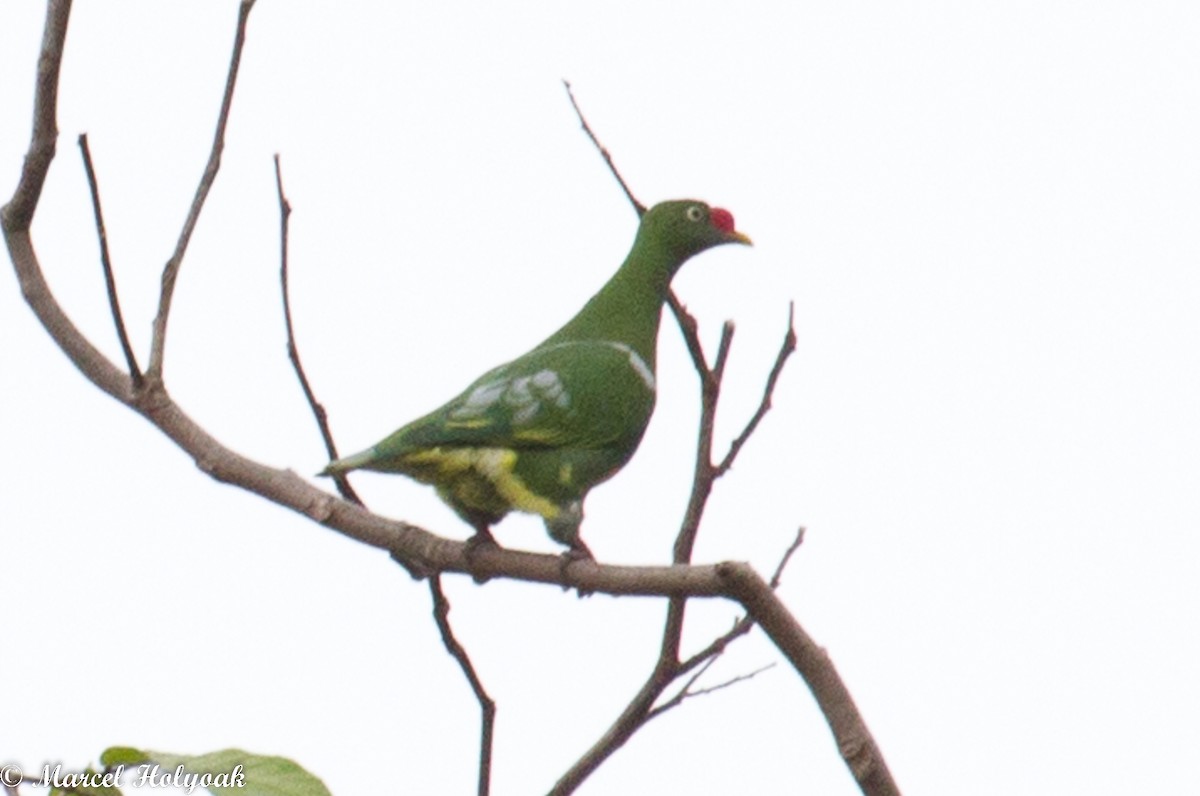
478 478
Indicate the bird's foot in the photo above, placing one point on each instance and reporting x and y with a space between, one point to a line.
482 540
578 552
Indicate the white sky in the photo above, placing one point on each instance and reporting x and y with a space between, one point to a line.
986 214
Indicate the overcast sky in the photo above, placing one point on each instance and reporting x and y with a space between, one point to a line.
985 213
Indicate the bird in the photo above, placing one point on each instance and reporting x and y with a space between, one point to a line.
536 434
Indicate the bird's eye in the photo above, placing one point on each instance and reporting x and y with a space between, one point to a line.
694 213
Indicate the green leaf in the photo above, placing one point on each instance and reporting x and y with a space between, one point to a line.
233 769
127 756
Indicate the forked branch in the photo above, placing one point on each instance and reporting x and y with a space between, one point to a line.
668 668
687 691
764 406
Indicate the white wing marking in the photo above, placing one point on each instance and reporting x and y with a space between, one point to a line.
480 400
637 363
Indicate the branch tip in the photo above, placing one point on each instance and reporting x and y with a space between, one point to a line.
786 348
171 270
637 206
285 211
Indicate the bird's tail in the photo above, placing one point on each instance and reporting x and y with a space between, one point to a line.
348 463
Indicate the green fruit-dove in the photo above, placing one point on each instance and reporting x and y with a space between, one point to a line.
536 434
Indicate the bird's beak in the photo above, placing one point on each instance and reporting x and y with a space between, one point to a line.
722 219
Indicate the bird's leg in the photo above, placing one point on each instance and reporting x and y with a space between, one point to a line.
481 539
577 552
564 528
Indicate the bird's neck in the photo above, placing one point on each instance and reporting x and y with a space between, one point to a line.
628 308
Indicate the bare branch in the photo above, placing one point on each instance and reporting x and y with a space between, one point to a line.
18 213
285 214
776 578
715 648
630 720
688 693
641 708
441 606
743 625
171 270
855 742
487 706
638 206
690 330
741 678
691 681
681 694
668 666
785 350
718 370
110 282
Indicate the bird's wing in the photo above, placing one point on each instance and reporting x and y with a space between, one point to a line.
580 394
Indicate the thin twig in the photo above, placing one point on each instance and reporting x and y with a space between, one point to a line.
135 373
785 350
704 474
322 418
690 329
441 606
717 646
642 707
487 706
681 694
723 350
776 578
741 678
638 206
171 269
743 625
688 693
691 681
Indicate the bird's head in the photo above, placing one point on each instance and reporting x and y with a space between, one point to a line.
686 227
